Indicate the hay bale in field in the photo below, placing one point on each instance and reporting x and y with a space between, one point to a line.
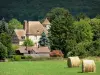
88 66
73 61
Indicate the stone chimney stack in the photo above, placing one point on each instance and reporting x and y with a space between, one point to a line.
25 25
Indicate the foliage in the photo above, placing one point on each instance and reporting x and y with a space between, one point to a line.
43 40
28 42
81 16
95 23
3 51
3 26
83 31
14 47
56 53
14 24
5 39
17 57
23 9
55 12
28 57
61 31
83 37
94 48
98 16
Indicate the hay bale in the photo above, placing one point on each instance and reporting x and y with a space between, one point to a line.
73 61
88 66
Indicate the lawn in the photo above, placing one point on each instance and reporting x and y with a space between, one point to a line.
53 67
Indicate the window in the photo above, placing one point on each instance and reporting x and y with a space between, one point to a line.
23 37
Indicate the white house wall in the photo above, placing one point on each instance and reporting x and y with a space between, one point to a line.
47 27
35 39
21 42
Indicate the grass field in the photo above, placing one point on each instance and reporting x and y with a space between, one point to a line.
42 68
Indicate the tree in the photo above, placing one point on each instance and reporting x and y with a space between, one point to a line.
61 32
98 16
43 40
14 24
3 51
5 39
95 23
94 47
81 16
28 42
83 31
55 12
3 26
83 36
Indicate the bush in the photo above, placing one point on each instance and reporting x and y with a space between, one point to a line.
3 51
56 53
28 42
26 57
17 57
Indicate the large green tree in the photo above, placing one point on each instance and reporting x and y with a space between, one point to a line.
5 39
55 12
61 31
83 36
94 47
83 31
3 51
95 23
3 26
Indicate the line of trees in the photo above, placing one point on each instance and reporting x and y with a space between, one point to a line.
78 35
6 33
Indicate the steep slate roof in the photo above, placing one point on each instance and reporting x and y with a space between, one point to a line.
46 22
35 28
20 33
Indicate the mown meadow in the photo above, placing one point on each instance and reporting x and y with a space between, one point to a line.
47 67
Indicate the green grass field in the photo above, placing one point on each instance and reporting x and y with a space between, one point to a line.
42 68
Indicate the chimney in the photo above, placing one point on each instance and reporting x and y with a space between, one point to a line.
25 25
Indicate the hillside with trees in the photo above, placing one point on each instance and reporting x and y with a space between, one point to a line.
37 9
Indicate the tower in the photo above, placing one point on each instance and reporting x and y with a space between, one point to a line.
46 24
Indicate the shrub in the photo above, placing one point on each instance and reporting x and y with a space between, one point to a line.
28 42
17 57
28 57
3 51
56 53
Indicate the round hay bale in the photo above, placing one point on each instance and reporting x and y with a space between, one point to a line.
73 61
88 66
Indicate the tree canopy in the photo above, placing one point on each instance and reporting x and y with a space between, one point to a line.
36 9
14 24
61 31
